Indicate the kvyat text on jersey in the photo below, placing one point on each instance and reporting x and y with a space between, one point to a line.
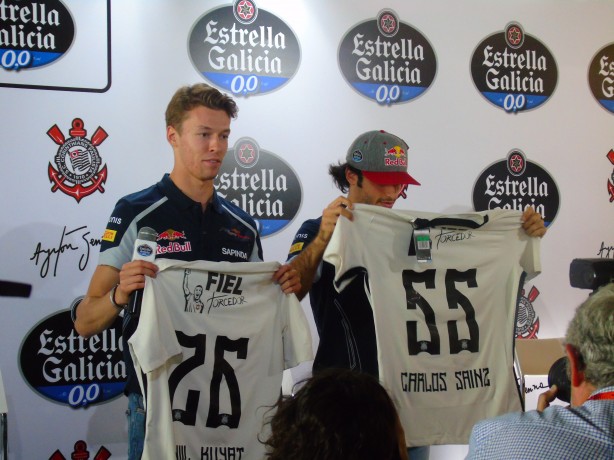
212 453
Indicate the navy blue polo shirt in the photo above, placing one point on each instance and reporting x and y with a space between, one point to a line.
223 232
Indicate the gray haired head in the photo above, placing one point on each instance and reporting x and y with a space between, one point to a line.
591 333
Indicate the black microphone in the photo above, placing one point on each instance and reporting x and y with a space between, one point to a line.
144 249
15 289
557 375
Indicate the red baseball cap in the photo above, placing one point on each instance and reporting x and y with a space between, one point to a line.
382 158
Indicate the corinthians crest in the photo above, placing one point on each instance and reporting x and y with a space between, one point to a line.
79 172
527 322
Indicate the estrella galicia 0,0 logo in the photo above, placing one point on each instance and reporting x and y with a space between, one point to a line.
60 365
34 34
601 77
244 49
514 70
387 60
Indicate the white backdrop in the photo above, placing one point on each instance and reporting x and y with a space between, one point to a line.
453 133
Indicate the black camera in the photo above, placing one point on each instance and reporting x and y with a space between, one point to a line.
591 273
557 375
14 289
583 274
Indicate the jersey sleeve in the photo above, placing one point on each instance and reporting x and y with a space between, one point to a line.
342 250
529 254
530 259
296 333
151 345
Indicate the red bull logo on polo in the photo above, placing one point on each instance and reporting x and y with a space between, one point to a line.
173 237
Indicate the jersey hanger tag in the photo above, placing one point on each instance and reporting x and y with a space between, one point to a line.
422 241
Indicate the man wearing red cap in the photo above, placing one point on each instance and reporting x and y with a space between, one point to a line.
375 173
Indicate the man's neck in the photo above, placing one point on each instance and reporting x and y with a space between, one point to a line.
200 191
581 393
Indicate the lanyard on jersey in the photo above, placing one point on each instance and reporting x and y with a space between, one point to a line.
601 396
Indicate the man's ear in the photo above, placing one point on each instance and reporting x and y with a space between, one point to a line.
351 177
171 135
576 365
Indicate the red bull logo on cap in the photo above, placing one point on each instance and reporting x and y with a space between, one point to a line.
399 158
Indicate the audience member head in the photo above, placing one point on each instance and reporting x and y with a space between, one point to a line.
337 414
589 344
